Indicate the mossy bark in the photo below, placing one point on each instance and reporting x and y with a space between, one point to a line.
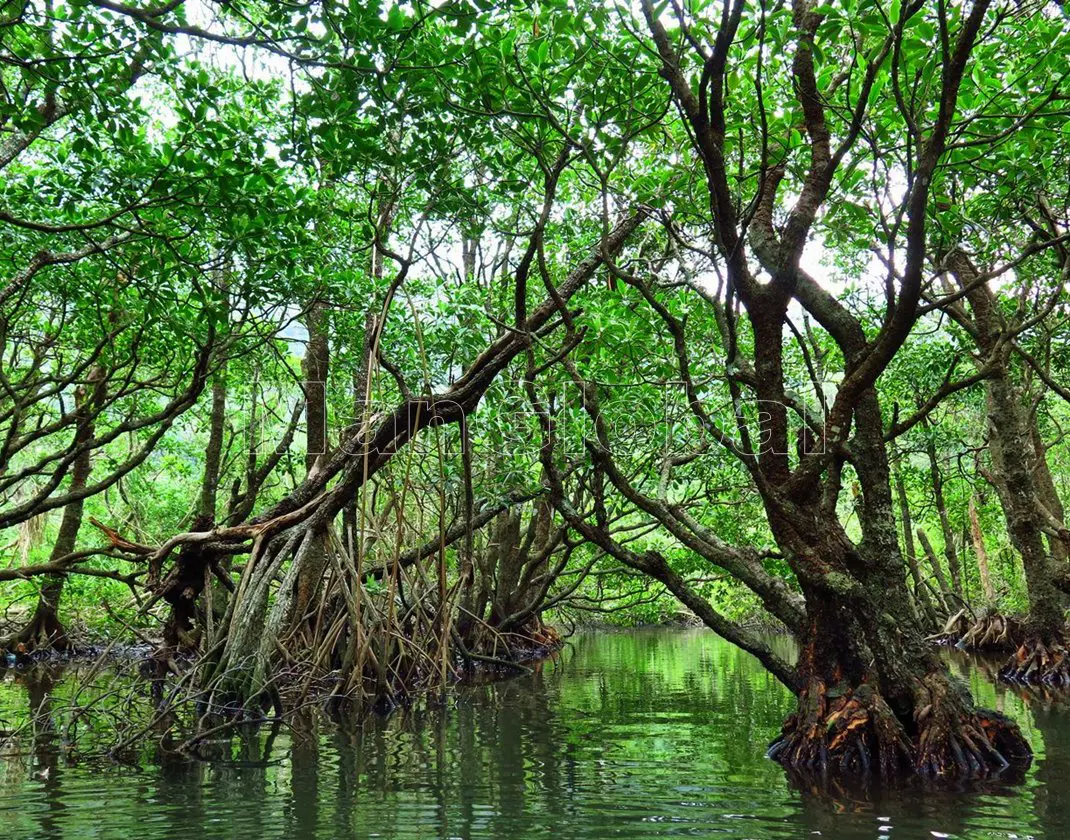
874 696
1023 483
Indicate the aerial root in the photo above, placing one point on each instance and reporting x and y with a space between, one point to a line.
1038 663
43 632
991 632
855 733
978 745
839 731
957 741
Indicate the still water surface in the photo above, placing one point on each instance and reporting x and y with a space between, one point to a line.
657 733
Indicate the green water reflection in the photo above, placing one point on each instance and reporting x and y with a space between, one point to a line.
655 733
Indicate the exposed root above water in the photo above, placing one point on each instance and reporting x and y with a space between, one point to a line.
986 633
43 632
842 732
1036 662
991 632
854 733
954 742
392 674
487 649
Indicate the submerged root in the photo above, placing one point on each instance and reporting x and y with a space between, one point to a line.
1036 662
855 733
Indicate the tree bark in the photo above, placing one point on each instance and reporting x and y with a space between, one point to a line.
213 452
943 593
873 691
44 631
921 594
317 357
315 385
1018 475
950 552
184 584
982 555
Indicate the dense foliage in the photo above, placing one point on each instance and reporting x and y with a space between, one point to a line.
351 346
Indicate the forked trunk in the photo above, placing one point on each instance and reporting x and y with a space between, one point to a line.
874 696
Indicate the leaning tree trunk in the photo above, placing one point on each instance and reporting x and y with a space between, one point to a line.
1049 495
978 537
943 592
235 668
924 603
950 552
